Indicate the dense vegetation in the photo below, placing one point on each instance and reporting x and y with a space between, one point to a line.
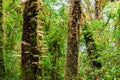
97 40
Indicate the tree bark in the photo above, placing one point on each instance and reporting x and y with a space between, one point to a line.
30 53
99 5
71 67
2 45
97 9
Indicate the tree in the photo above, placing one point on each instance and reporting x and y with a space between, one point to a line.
2 68
91 48
97 9
90 43
71 67
55 36
30 53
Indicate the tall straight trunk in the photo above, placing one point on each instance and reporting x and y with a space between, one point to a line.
30 54
2 68
71 67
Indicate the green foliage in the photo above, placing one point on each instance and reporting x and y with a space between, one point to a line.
53 17
106 35
12 23
55 28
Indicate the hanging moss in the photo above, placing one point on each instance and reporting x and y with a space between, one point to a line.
30 53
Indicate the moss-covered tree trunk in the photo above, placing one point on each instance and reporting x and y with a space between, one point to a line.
91 48
99 6
30 54
2 68
97 9
71 66
90 43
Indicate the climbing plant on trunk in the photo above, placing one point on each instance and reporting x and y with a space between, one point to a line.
30 53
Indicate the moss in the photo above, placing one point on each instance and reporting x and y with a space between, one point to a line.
2 68
29 62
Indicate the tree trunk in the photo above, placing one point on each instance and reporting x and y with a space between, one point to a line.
99 5
30 53
91 48
90 43
2 45
97 9
71 67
